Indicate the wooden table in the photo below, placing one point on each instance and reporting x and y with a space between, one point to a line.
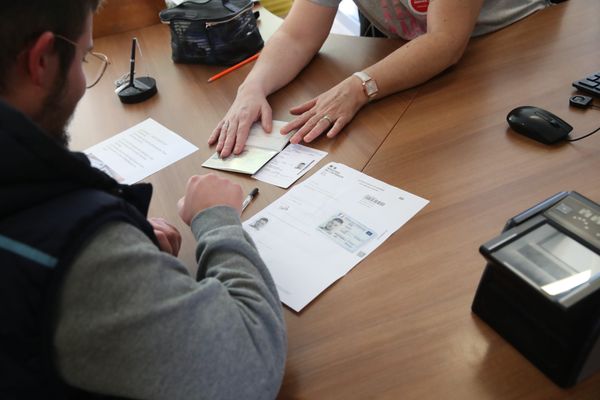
399 325
191 107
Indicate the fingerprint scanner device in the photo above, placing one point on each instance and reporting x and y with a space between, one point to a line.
540 288
139 89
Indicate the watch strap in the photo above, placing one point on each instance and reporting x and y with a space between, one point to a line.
369 85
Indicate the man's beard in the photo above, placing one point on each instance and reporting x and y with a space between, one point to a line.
56 113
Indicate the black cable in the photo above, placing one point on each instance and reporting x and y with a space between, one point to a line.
584 136
583 102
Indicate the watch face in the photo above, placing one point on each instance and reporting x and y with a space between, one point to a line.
371 88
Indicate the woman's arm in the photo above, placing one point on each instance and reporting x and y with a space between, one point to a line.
293 45
449 27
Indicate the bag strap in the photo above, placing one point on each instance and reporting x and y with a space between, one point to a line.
186 11
226 3
230 6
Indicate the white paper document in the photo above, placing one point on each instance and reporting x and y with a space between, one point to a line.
260 148
319 230
139 151
289 165
175 3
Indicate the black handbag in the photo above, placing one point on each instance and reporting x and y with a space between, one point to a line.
216 32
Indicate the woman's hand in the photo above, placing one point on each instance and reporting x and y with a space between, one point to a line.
329 112
232 131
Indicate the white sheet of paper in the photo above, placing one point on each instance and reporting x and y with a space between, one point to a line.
175 3
260 148
139 151
289 165
319 230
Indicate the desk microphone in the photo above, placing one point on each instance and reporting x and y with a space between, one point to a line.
139 89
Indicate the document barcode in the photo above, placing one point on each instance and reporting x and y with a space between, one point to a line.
374 200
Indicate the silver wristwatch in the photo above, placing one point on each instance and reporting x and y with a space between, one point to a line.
368 83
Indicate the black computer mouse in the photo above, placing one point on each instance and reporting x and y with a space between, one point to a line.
538 124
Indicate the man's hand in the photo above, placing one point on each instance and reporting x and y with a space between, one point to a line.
207 191
169 238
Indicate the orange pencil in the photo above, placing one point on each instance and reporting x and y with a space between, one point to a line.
233 68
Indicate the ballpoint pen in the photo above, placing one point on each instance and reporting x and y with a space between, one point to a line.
249 198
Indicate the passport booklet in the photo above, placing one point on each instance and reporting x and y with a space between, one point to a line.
260 148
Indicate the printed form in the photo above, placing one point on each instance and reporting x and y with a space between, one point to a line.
319 230
139 152
289 165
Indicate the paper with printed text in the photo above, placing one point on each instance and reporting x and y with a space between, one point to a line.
323 227
139 152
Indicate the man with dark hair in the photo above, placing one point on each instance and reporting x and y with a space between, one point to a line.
93 301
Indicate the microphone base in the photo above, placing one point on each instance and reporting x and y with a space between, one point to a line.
141 89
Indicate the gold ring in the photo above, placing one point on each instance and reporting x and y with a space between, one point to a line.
326 117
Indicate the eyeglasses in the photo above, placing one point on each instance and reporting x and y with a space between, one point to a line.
95 64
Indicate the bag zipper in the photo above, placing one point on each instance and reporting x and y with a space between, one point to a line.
211 24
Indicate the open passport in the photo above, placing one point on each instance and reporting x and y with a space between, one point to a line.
260 148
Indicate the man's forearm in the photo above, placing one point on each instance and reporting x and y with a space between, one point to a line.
133 323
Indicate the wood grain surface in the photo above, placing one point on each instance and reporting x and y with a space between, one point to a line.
399 325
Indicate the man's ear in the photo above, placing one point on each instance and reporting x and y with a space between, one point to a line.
42 60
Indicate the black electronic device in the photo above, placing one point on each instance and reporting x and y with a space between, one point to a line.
538 124
580 101
136 89
540 288
589 84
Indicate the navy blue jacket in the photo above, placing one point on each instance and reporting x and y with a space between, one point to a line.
51 202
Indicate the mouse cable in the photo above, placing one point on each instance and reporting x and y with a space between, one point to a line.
584 136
